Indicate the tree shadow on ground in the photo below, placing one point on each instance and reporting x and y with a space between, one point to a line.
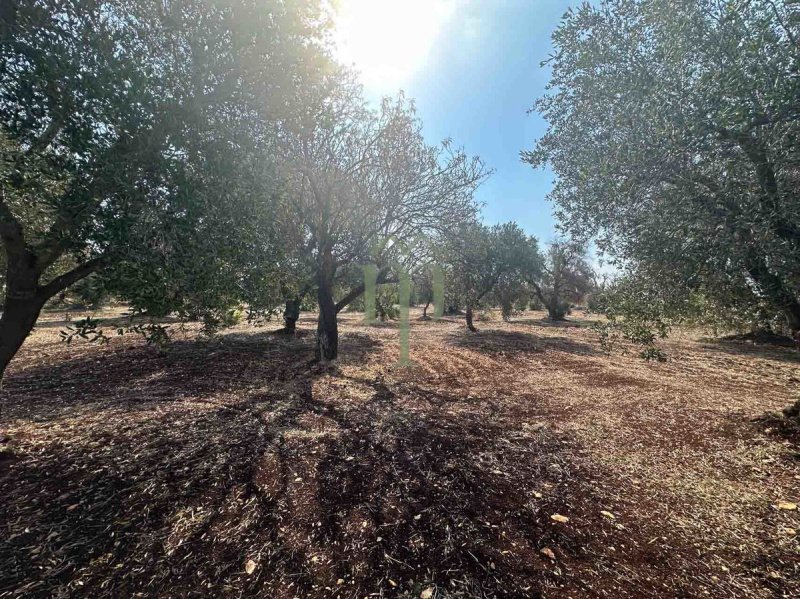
130 377
513 343
497 342
748 349
236 468
569 323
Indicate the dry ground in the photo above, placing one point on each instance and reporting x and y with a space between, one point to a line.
237 468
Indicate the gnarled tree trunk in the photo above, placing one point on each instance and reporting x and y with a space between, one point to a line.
19 316
554 311
792 315
779 292
470 325
25 298
22 304
291 314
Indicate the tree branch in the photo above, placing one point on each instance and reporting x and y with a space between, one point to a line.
767 179
69 278
356 291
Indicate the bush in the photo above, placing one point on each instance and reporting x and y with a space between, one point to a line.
507 310
386 303
521 305
596 302
562 309
357 305
638 333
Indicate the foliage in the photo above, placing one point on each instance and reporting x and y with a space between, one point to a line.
636 332
633 315
423 285
387 302
362 187
511 293
481 260
673 129
84 329
565 277
90 292
484 315
88 329
137 142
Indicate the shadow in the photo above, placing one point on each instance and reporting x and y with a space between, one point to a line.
752 350
763 338
512 343
497 342
785 428
569 323
235 467
131 377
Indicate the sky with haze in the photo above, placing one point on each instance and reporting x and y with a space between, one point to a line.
473 68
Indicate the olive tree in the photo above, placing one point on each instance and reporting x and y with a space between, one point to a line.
363 185
564 277
133 143
425 282
673 131
480 258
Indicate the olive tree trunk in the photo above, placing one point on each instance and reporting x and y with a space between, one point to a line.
327 327
25 298
19 316
470 325
291 314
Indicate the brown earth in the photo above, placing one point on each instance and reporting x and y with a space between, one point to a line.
237 468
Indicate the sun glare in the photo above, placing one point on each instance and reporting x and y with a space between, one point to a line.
388 41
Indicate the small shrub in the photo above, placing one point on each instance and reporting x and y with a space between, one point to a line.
638 333
357 305
507 310
652 352
386 303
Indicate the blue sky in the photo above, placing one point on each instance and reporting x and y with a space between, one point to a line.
474 80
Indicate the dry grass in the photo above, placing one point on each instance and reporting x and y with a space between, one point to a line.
236 467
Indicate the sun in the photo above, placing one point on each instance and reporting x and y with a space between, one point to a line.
388 41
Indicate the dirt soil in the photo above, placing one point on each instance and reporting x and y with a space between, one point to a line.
518 461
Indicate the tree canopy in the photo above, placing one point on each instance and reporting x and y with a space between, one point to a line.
362 185
673 131
565 276
136 137
480 259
